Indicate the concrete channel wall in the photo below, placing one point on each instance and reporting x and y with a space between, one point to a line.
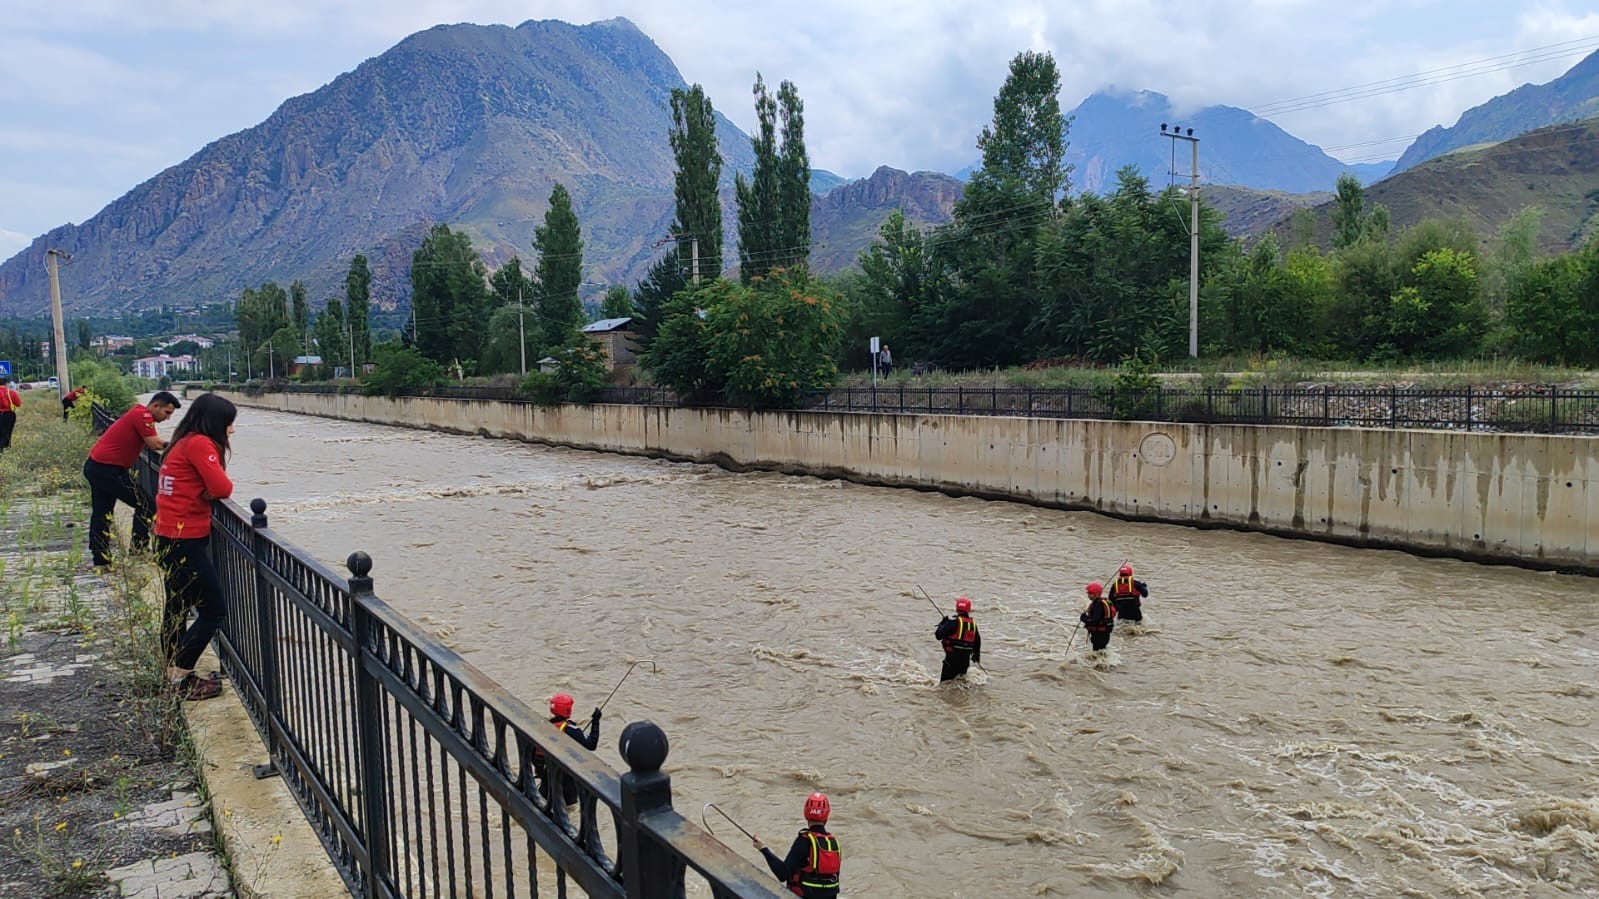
1520 498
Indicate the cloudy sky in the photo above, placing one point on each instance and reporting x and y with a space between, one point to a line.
99 95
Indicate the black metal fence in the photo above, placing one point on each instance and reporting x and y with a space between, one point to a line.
415 769
1539 409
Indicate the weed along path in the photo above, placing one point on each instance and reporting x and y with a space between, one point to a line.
1292 719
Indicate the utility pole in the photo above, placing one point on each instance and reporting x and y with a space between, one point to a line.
694 252
1176 134
55 314
351 331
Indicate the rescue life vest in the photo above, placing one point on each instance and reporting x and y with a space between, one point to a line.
822 864
1106 620
1123 588
538 754
964 639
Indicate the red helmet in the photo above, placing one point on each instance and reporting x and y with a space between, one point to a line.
817 808
1095 589
1127 571
963 604
561 705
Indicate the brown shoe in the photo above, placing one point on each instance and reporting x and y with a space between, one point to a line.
194 689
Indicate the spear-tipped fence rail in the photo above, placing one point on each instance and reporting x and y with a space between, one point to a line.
418 772
1536 409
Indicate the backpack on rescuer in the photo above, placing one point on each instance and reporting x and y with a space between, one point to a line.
823 861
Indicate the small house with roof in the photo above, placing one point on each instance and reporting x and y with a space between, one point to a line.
615 337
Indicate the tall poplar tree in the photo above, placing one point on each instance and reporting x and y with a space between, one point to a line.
449 297
331 341
559 245
794 181
357 306
301 314
758 196
694 187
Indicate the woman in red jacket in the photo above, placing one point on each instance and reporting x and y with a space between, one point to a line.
193 474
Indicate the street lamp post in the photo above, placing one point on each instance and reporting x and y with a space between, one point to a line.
1177 133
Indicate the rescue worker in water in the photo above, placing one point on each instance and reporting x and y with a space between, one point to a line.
811 867
1099 617
1128 595
963 645
561 717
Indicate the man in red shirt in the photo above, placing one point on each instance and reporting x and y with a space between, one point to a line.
70 400
109 476
9 401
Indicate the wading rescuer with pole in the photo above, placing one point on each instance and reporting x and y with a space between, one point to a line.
813 862
1099 618
1128 595
962 643
561 716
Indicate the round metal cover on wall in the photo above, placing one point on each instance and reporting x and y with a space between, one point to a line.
1157 448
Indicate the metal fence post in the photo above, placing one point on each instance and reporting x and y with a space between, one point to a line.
1554 408
647 871
266 618
1326 407
1468 408
369 731
960 398
1393 405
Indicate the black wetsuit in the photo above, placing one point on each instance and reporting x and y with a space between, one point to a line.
588 741
1128 595
958 654
1098 620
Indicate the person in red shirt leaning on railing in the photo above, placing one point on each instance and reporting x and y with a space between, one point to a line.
108 473
193 475
9 401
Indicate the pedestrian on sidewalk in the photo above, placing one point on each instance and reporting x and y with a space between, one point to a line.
109 473
193 475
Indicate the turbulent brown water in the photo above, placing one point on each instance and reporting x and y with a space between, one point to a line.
1295 718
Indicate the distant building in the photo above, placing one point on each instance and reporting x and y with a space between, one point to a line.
110 343
301 362
158 367
615 337
548 365
204 343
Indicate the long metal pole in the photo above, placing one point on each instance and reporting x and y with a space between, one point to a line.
55 313
1193 259
521 331
694 252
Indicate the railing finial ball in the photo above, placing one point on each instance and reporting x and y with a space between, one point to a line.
258 505
644 745
359 563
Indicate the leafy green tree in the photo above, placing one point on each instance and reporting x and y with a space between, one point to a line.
793 229
1515 250
401 368
1025 145
331 340
679 355
559 245
664 279
618 303
758 197
449 297
1552 309
300 319
358 306
1439 314
513 325
898 279
696 184
1263 315
84 335
1352 223
773 340
580 374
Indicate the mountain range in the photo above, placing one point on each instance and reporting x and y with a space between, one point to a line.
1572 97
473 125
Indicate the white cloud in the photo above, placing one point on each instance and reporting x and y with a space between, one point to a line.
118 89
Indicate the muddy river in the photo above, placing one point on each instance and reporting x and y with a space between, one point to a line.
1293 719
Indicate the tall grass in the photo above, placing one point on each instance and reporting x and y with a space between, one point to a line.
46 454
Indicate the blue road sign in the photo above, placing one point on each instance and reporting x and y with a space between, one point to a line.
5 369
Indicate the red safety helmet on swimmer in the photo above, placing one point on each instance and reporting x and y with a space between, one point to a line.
963 604
561 704
1095 589
817 808
1127 571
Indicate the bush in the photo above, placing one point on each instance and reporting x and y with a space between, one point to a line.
401 368
579 378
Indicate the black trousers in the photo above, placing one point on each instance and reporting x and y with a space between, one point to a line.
108 485
1129 608
192 584
1099 639
8 423
955 665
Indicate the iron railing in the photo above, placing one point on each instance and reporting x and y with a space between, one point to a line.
418 771
1535 409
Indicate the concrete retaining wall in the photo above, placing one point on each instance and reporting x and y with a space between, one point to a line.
1520 498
